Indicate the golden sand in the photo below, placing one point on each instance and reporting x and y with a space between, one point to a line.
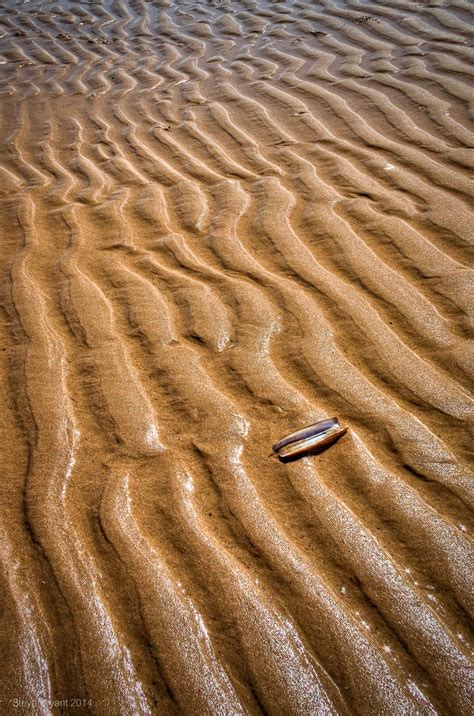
222 221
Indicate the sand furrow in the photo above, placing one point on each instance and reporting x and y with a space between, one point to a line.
54 440
194 675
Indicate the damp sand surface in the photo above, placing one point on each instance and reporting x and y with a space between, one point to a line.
222 221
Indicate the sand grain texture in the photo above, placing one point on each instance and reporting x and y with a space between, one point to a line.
222 221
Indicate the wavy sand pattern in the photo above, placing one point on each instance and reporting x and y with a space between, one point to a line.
221 221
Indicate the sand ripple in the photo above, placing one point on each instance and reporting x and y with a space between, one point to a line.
222 221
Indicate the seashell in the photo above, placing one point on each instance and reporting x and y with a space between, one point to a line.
309 438
306 432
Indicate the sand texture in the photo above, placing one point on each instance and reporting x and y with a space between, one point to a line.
222 221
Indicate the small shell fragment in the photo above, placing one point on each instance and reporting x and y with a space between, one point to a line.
309 438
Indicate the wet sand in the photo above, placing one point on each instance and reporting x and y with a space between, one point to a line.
222 221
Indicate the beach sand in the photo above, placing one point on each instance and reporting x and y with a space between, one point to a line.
222 221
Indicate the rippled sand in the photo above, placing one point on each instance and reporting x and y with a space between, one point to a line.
222 221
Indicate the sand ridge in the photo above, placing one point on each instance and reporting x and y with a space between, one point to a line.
222 221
